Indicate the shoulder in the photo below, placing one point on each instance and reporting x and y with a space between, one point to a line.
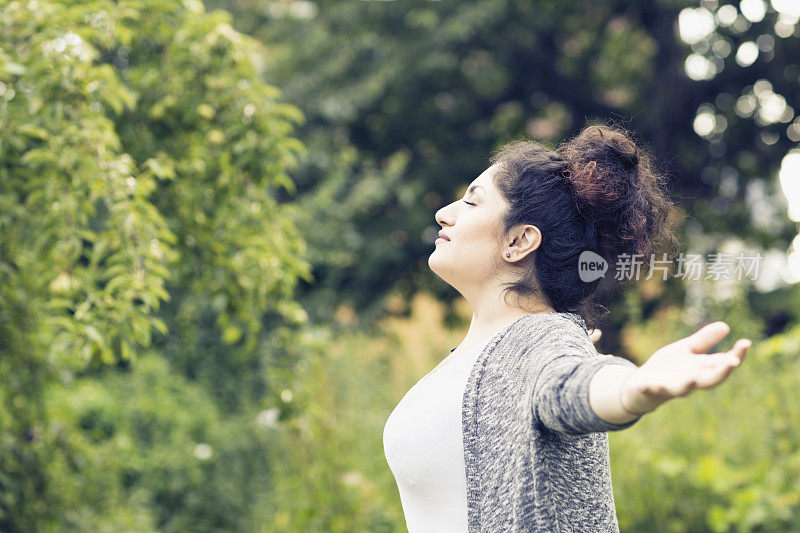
561 332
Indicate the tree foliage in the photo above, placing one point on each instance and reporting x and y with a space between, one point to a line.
140 159
406 100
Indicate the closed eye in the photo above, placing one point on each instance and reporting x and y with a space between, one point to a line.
468 203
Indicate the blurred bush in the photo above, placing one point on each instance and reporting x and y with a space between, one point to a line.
147 450
721 460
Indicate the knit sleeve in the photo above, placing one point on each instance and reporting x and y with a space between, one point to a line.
561 394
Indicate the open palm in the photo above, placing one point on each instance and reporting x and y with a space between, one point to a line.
681 367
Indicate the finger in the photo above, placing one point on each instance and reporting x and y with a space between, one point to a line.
711 377
740 348
703 339
735 355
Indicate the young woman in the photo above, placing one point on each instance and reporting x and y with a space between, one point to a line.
508 433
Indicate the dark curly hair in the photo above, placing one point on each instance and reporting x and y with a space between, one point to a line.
597 191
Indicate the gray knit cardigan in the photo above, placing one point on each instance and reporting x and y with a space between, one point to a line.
536 454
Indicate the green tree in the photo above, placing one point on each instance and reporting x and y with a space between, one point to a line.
140 159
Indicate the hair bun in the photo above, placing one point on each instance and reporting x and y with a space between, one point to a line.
616 189
602 165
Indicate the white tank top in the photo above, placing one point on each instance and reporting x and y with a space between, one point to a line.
423 444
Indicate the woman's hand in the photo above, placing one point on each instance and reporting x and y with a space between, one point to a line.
681 367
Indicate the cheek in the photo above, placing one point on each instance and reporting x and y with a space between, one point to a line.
479 246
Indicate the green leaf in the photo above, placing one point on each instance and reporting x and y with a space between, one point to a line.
231 334
33 131
13 68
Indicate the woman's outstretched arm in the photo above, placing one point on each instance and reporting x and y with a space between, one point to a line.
619 394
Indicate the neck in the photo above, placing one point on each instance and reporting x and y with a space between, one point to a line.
492 315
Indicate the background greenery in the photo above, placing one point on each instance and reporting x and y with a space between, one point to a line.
214 228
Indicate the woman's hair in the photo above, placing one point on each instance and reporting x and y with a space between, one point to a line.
598 192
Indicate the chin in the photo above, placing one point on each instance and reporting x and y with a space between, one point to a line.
432 261
437 267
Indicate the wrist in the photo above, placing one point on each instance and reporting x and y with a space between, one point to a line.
623 392
633 400
605 395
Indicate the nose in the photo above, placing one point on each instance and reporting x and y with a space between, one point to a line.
440 217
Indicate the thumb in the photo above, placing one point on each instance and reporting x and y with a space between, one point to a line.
702 340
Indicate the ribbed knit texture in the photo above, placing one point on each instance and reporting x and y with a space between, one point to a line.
536 454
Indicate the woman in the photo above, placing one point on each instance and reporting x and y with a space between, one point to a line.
508 433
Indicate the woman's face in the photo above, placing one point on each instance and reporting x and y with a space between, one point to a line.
473 225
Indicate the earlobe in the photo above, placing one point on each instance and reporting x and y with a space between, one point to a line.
508 254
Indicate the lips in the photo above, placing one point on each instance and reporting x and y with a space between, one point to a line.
444 236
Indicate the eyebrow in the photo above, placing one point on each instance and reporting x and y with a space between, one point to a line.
471 189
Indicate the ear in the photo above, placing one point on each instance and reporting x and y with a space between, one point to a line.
525 239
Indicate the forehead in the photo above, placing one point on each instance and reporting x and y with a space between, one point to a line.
483 182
